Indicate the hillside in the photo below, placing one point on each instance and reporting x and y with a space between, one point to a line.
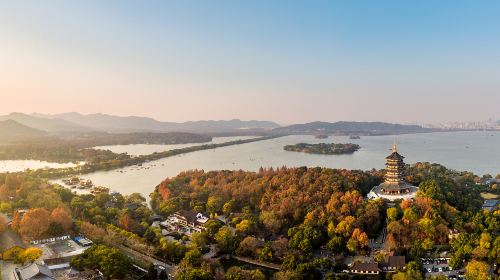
110 123
11 131
348 128
45 124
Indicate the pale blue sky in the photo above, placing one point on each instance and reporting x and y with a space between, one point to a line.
288 61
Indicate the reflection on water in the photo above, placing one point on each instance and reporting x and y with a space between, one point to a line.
21 165
478 152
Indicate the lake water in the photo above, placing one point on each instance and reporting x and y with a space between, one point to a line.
145 149
21 165
478 152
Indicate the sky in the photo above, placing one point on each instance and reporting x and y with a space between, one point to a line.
287 61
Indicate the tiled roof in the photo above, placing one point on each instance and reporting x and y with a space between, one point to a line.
396 261
395 156
9 239
35 271
189 215
365 267
395 186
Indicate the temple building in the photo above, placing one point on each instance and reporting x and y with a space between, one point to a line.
394 187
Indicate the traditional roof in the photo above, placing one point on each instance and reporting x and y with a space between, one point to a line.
365 267
189 215
9 239
58 260
395 156
155 218
35 271
396 261
395 186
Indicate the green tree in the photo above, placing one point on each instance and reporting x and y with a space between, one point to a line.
194 274
200 239
227 242
214 204
212 226
228 207
152 273
392 214
193 258
110 261
287 275
336 244
407 275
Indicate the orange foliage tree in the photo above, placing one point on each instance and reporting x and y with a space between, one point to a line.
34 223
61 216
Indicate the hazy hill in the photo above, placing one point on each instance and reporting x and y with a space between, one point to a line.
112 123
11 130
46 124
349 128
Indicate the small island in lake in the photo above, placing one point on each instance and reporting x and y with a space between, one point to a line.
323 148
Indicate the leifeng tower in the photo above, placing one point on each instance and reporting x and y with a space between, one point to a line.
394 178
394 187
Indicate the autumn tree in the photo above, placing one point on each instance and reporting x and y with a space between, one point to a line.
392 214
126 222
477 270
271 221
3 224
91 230
62 216
34 223
214 204
31 254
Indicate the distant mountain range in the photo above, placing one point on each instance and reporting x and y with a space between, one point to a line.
110 123
349 128
45 124
69 124
11 131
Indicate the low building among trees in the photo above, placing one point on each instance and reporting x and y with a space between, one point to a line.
11 244
34 271
394 263
490 205
365 268
185 222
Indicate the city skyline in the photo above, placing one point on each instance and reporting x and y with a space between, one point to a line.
415 62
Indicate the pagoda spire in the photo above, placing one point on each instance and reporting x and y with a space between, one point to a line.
394 147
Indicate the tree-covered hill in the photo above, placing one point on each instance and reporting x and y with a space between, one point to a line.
349 128
11 131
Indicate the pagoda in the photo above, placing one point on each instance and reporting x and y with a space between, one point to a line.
394 177
394 187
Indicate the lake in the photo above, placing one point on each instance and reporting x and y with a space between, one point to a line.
145 149
21 165
478 152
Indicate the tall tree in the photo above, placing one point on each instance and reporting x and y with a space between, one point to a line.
62 216
34 223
